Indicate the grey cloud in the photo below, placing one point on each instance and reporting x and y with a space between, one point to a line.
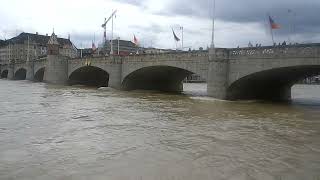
305 21
148 35
82 40
133 2
152 28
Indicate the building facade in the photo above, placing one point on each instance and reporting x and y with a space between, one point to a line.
158 51
2 50
121 47
32 46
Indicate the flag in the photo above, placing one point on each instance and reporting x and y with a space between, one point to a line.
135 40
175 36
93 47
273 25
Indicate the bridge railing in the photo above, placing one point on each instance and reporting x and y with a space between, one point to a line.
22 61
304 50
186 55
110 59
182 56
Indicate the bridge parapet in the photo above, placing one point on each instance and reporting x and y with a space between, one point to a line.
294 51
23 61
177 56
100 59
41 59
219 54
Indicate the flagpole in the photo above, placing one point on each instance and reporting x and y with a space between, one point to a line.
290 26
213 23
118 45
81 50
182 38
111 51
28 54
9 51
105 32
176 39
176 45
272 36
292 15
271 30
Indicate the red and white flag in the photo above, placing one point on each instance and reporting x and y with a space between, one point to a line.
273 25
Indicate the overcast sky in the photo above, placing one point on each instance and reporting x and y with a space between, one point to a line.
237 22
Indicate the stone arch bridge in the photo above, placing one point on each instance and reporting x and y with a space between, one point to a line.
233 74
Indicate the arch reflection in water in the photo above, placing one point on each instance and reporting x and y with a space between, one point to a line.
89 76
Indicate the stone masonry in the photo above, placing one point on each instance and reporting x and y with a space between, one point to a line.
241 73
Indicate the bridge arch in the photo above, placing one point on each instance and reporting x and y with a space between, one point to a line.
271 84
38 76
89 76
20 74
4 73
161 77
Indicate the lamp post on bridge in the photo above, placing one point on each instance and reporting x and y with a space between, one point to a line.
217 81
181 28
118 38
213 23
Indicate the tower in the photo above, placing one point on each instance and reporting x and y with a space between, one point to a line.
56 71
53 45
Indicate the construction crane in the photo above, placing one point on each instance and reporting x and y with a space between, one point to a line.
104 25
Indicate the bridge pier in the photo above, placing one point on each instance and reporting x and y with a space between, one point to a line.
265 73
30 71
115 77
10 72
218 71
56 71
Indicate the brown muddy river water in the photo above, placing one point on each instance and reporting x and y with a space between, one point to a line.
52 132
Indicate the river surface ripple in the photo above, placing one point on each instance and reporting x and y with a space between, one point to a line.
60 132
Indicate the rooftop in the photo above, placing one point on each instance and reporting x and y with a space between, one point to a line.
124 43
2 43
40 39
53 40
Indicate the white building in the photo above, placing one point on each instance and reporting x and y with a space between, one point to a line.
32 46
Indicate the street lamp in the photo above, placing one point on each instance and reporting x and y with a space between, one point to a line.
118 38
181 28
213 21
